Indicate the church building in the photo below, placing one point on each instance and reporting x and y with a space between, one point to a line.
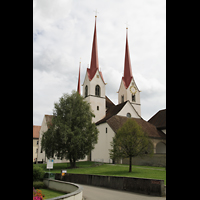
108 116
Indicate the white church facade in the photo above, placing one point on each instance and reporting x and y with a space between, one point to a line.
110 117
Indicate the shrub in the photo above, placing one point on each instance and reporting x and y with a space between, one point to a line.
38 173
39 185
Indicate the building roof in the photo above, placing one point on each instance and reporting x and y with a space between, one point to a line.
109 103
112 110
159 119
115 122
36 131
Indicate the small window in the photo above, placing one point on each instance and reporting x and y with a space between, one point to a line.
97 107
86 91
122 98
37 142
128 115
133 97
106 130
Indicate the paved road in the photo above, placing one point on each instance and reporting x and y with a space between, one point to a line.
98 193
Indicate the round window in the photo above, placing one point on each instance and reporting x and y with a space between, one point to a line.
128 115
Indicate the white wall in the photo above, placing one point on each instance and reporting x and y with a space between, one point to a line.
42 130
94 100
101 150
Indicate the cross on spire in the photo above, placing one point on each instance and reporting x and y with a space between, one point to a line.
96 12
127 25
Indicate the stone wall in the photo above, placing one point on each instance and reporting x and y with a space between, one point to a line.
139 185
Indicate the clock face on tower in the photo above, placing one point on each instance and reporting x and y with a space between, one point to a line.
133 89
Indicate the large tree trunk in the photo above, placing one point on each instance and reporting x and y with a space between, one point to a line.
72 163
130 164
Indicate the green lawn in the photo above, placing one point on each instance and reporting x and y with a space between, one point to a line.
51 193
122 170
88 167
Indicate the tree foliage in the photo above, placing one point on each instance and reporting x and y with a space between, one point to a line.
130 141
71 135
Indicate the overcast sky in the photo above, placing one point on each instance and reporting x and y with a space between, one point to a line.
63 33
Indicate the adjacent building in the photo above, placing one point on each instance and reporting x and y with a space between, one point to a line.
36 133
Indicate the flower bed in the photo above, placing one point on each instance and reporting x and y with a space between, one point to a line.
37 194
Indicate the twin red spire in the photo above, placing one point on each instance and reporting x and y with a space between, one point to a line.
127 66
94 64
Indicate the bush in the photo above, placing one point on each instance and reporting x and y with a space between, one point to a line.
39 185
38 173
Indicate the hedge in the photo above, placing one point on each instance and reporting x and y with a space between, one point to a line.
38 173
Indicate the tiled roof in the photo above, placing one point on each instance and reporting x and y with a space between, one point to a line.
36 131
159 119
116 122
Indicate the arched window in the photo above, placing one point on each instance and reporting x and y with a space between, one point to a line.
161 147
98 91
133 97
86 91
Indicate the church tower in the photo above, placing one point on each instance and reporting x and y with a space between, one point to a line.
94 85
128 89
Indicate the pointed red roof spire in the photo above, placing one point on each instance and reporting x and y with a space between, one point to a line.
94 64
127 65
79 84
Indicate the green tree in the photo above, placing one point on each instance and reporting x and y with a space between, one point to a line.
71 135
130 141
